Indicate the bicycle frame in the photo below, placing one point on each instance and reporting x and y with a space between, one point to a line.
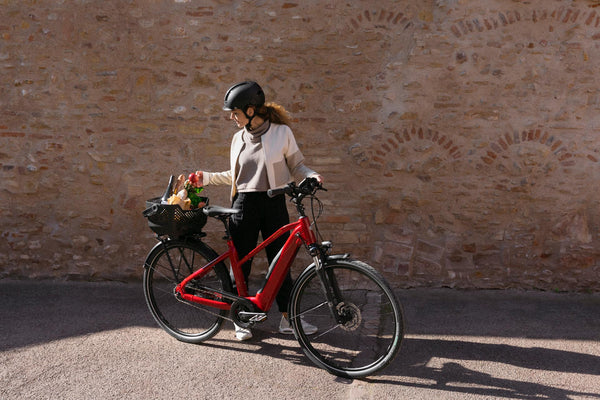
301 233
361 335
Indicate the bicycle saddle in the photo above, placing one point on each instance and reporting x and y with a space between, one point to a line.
219 212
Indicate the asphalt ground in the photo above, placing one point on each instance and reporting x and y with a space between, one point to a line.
75 340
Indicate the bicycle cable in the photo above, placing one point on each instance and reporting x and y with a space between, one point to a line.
317 216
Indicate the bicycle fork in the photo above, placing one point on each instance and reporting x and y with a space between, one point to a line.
329 281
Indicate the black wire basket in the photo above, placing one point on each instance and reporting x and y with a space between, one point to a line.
172 220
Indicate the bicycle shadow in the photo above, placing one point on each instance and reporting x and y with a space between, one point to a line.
413 366
435 364
41 312
265 343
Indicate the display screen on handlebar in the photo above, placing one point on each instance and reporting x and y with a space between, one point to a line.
309 185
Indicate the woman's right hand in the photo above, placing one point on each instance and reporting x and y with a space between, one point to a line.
200 176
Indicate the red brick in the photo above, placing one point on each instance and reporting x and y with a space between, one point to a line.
556 145
575 15
398 138
12 134
398 18
503 19
455 31
503 144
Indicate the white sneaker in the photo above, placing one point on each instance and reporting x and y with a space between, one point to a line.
242 333
286 328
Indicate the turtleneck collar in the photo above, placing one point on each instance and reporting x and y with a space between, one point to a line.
255 134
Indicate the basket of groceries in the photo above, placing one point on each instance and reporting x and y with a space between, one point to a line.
179 211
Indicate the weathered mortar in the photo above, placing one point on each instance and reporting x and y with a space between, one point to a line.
459 139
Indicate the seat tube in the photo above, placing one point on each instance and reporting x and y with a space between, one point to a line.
266 296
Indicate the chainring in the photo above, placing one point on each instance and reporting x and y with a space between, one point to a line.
239 306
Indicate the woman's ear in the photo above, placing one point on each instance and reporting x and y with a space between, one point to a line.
250 111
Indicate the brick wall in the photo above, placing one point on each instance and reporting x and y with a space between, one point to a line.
459 139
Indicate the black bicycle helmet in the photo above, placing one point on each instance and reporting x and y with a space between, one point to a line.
242 95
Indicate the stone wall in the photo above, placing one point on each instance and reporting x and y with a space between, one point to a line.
458 138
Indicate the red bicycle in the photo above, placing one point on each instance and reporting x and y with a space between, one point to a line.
189 291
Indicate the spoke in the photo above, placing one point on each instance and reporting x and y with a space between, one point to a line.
162 274
311 309
327 331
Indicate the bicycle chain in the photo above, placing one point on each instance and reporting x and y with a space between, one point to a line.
191 303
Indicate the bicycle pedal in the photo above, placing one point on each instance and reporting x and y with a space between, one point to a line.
253 316
259 317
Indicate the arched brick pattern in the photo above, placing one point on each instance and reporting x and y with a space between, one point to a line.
562 14
377 19
502 145
384 150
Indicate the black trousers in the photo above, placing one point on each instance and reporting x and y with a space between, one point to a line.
260 213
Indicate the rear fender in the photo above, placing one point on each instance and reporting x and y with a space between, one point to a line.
151 254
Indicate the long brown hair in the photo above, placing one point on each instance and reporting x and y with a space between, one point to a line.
275 113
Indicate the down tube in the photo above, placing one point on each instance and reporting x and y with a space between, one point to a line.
265 297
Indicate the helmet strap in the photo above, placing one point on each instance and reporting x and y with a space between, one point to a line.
250 118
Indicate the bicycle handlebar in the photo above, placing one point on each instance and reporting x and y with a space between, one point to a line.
277 192
307 187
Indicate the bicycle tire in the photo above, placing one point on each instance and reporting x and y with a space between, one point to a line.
166 266
372 334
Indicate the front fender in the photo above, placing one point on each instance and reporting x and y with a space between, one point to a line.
332 257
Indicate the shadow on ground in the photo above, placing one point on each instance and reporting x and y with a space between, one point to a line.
35 312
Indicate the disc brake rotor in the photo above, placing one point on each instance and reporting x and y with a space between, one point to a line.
351 316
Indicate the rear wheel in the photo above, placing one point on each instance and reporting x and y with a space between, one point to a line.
166 266
367 329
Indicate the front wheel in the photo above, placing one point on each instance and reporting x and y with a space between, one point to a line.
361 333
166 266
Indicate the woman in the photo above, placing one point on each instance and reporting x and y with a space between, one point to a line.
264 155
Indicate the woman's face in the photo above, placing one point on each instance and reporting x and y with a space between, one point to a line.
239 117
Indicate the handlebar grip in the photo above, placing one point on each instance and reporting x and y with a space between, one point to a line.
150 211
277 192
